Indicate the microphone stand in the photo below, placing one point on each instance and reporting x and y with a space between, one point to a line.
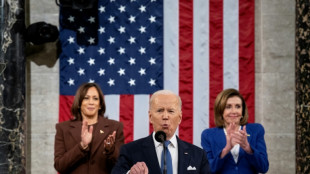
165 159
160 136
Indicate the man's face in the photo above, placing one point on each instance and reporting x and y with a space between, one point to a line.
165 114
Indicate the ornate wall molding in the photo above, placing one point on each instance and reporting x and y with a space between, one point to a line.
302 87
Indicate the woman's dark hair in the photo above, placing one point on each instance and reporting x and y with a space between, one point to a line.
220 104
79 97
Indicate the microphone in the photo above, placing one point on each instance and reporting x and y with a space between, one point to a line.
160 136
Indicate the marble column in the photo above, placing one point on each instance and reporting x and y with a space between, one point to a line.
302 87
12 87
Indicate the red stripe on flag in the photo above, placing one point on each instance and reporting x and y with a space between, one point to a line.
65 103
216 54
127 116
150 128
150 125
186 68
246 55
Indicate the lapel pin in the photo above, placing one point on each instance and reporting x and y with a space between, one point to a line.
101 131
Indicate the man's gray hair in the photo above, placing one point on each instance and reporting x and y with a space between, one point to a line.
165 92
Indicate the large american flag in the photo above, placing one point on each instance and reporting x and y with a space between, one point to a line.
133 48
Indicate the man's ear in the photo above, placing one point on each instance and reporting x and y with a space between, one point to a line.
150 118
180 117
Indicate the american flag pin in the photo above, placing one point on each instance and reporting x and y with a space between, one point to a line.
101 131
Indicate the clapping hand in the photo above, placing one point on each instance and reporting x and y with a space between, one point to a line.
109 142
86 134
229 143
241 137
236 137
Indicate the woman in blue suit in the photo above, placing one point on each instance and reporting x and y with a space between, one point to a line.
234 146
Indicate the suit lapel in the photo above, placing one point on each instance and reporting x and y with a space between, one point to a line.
184 156
75 130
100 133
150 153
220 138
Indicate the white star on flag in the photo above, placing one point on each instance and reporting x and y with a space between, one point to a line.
71 40
142 71
81 71
121 71
101 30
132 40
91 61
71 19
152 82
81 50
101 51
101 72
71 61
132 82
101 9
111 82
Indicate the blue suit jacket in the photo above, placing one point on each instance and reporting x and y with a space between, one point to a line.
144 150
214 140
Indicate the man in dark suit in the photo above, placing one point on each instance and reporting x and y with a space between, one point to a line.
143 156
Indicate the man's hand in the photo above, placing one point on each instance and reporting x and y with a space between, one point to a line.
139 168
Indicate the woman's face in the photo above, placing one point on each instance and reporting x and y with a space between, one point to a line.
91 103
233 111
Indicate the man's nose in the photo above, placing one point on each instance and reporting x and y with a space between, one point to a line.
165 115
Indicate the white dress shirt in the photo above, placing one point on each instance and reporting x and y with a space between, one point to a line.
173 148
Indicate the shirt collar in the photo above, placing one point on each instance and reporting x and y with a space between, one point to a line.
173 140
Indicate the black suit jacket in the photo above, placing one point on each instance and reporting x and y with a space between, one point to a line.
144 150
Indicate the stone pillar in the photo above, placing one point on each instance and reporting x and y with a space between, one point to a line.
302 87
12 87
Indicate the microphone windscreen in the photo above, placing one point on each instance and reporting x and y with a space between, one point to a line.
160 136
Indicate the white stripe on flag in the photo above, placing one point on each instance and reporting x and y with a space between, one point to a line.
201 70
141 118
171 46
231 44
112 106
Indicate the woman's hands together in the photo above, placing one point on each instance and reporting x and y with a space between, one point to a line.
236 137
87 135
241 137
